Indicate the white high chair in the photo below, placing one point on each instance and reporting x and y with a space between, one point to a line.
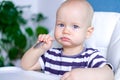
106 38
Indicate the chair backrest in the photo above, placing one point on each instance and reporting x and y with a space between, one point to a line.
104 24
113 54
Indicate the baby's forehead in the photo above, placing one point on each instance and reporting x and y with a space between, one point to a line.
70 12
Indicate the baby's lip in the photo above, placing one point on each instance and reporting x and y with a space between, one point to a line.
65 39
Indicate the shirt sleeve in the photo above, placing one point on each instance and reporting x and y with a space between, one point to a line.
96 61
42 62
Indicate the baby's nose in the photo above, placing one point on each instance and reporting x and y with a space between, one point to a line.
66 30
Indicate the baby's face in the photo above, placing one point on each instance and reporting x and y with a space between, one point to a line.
71 26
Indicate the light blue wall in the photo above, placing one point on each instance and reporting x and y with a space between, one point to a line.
106 5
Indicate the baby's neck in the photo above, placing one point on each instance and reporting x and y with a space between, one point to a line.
69 51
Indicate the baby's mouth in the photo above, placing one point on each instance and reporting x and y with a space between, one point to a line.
65 39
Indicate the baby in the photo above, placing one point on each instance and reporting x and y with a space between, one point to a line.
73 27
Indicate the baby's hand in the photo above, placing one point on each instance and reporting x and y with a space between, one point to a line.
46 40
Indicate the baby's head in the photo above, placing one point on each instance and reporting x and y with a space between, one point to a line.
73 19
71 8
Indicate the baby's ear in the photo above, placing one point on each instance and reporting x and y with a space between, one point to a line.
89 31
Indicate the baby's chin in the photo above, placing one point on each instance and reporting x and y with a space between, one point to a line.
66 44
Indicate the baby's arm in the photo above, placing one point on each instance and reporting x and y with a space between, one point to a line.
104 73
30 59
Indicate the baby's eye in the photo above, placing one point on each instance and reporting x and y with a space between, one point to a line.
76 26
61 25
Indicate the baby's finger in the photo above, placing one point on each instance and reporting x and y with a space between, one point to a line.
49 38
41 38
65 76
